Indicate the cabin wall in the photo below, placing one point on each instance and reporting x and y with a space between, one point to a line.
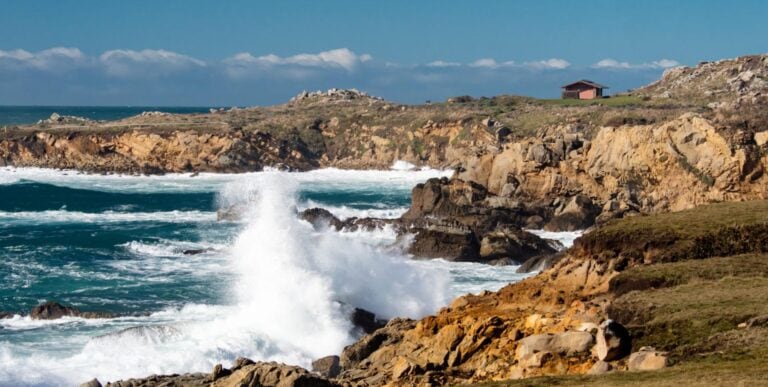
588 94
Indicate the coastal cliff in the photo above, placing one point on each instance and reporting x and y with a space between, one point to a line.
669 179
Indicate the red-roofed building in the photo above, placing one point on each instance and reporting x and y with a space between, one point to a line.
583 89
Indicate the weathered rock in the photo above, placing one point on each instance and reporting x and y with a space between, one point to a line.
219 372
539 263
613 341
450 244
328 366
244 373
444 198
599 368
320 217
91 383
567 343
390 334
366 321
575 213
52 310
647 359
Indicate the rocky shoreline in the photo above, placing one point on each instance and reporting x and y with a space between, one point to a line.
672 188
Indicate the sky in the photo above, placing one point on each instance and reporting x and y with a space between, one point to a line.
244 53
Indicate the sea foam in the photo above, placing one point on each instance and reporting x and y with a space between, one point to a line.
290 300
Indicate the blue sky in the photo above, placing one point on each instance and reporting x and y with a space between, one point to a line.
193 52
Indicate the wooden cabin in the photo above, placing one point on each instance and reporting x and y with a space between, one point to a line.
583 89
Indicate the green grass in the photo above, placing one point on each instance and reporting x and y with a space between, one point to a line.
720 229
621 100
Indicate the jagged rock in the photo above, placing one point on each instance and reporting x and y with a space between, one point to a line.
91 383
444 198
320 217
576 213
219 372
244 373
613 341
366 321
328 366
450 244
540 263
513 244
647 359
390 334
52 310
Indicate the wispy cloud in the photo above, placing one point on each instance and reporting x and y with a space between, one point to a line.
339 58
609 63
146 62
67 75
553 63
52 59
442 63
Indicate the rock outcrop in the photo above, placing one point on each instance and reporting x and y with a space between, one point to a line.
53 310
244 373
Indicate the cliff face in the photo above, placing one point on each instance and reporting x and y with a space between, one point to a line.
142 151
672 166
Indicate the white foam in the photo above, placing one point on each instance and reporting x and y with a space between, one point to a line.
63 216
400 165
346 212
564 237
293 289
213 182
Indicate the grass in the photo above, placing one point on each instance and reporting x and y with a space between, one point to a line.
720 229
617 101
751 370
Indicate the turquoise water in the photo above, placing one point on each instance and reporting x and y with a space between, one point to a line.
19 115
268 286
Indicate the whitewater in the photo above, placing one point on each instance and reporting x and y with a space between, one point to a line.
268 286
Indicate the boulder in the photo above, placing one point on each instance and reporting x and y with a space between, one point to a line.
328 366
575 213
514 244
647 359
444 197
450 244
600 368
566 343
613 341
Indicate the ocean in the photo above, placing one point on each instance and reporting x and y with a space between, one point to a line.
267 286
21 115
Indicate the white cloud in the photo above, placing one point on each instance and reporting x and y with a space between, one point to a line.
609 63
552 63
485 62
342 58
54 59
440 63
666 63
146 62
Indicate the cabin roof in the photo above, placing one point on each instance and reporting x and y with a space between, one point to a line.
586 82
